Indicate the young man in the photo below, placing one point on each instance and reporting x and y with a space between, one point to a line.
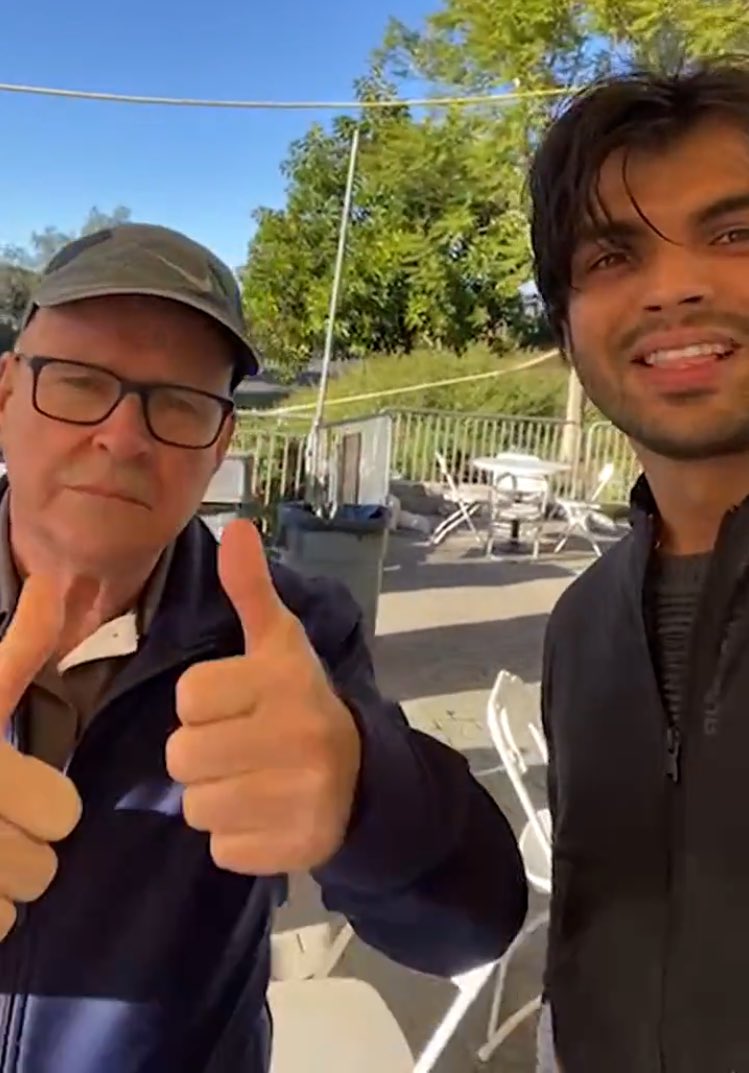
183 728
641 238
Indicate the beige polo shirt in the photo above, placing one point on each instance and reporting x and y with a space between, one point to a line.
64 698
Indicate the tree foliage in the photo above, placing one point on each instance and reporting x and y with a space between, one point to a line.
438 240
20 266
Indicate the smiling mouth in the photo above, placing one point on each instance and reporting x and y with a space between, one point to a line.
686 357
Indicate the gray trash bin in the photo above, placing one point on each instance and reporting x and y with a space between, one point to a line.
350 546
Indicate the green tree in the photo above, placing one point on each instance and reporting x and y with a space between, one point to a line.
436 246
438 242
15 289
44 244
20 266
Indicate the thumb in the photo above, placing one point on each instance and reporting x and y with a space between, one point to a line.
245 578
30 640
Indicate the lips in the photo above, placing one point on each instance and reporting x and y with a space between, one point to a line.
108 493
683 348
681 357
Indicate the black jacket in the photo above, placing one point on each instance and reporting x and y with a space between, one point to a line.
648 967
143 956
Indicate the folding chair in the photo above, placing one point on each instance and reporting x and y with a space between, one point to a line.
463 510
307 953
513 719
353 1028
334 1026
579 514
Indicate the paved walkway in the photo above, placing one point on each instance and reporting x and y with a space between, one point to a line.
449 620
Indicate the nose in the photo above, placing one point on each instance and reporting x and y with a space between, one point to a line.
675 278
124 434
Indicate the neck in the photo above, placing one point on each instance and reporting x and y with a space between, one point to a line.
94 596
693 498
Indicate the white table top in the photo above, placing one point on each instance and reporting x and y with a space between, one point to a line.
518 465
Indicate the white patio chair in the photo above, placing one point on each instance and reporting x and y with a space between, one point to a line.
518 502
513 718
463 509
354 1029
580 514
469 985
334 1026
307 953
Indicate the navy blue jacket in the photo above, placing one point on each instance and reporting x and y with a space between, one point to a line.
144 957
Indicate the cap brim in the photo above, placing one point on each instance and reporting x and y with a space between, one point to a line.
247 358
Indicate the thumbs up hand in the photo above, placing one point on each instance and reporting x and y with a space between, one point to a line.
268 754
38 805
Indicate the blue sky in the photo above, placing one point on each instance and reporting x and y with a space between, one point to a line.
200 171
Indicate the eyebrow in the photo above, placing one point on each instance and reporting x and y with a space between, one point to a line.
626 230
723 207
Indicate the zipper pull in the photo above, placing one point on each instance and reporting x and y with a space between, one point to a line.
673 752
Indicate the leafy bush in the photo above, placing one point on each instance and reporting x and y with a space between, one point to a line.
539 391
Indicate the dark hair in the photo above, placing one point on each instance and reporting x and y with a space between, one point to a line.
640 109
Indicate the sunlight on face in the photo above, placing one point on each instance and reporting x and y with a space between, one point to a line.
679 277
110 493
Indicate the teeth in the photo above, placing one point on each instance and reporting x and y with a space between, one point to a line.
686 353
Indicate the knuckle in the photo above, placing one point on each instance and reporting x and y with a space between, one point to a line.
43 869
192 809
177 756
224 853
48 804
191 690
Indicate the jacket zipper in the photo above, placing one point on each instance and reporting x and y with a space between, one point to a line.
673 794
697 689
10 1036
14 1005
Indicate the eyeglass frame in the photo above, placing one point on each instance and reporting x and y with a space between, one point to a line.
143 389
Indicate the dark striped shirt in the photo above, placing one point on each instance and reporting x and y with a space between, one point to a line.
672 594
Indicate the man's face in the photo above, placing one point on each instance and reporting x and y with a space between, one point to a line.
109 496
659 312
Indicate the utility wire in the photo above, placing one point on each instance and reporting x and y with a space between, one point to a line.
365 105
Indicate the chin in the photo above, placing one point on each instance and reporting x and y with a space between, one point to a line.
693 444
104 547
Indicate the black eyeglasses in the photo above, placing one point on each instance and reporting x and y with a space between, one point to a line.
81 394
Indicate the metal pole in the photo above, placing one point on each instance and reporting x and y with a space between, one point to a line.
312 448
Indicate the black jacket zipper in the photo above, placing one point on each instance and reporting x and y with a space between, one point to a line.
11 1028
707 648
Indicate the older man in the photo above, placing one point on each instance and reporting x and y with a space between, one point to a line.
183 726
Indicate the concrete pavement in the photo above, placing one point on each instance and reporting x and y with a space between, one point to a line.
449 620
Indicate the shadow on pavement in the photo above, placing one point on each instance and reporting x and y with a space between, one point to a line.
450 659
412 565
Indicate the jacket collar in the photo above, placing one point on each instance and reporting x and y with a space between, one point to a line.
641 500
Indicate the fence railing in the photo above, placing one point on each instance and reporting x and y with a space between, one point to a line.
277 449
418 435
276 472
602 443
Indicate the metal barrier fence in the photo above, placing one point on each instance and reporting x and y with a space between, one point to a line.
276 454
419 434
602 443
277 450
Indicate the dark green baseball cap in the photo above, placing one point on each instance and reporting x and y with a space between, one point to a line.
147 259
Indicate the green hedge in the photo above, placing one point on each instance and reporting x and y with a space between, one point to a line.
538 392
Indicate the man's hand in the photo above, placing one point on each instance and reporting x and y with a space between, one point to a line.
38 804
268 754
